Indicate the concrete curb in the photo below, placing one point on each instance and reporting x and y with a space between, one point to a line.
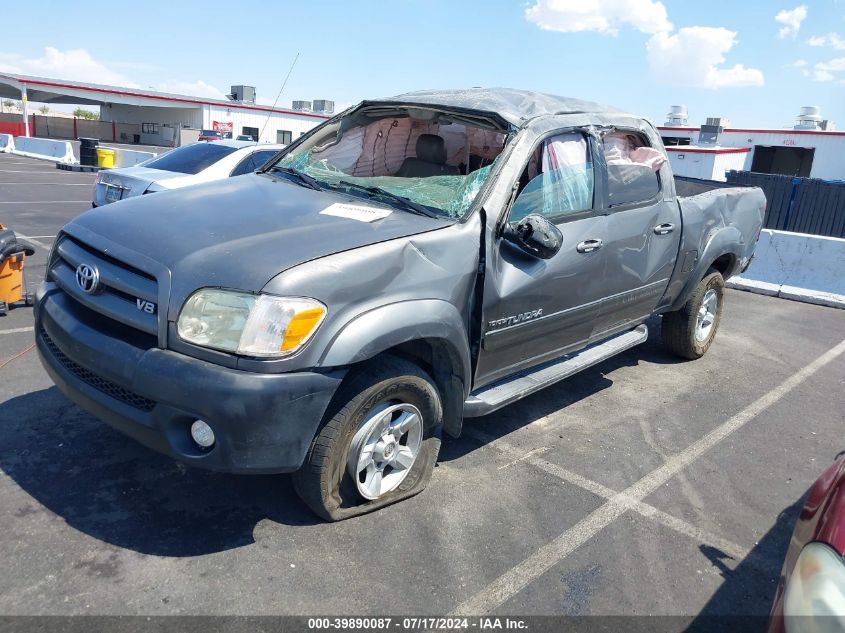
792 293
76 167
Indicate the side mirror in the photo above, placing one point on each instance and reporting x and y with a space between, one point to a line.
535 235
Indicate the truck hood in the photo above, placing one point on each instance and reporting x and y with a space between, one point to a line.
240 232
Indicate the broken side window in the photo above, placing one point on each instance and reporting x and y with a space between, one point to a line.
632 168
565 182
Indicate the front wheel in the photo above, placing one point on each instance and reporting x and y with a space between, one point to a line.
378 445
689 332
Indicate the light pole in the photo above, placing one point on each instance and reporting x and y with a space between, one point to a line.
24 111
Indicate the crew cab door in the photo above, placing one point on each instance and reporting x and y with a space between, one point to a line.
537 309
643 229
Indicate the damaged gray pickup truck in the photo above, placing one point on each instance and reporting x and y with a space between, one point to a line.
411 262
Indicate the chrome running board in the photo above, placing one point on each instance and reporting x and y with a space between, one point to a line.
504 392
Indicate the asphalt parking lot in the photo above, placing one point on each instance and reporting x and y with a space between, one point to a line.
642 486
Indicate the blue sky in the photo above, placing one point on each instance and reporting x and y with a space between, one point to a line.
718 57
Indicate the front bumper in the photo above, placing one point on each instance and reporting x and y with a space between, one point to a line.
263 423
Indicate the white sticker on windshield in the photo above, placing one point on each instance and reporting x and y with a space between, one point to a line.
356 212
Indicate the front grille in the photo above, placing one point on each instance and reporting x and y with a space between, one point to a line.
125 293
97 382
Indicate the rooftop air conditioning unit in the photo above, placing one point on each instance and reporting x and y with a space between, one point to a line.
244 94
677 117
718 121
301 105
321 105
810 118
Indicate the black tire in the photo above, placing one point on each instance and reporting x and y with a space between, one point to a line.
678 328
324 483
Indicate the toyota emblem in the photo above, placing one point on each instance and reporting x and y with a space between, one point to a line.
88 278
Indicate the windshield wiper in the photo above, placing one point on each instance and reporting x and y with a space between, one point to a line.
303 179
403 203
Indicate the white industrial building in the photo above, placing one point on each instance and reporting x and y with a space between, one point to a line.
150 117
810 149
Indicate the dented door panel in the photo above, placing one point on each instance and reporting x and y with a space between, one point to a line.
537 309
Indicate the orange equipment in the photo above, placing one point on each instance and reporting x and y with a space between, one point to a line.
13 253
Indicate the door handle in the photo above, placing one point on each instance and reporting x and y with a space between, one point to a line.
664 229
588 246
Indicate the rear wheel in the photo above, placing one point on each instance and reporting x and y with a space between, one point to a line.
689 332
378 443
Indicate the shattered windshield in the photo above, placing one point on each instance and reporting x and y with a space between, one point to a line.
434 163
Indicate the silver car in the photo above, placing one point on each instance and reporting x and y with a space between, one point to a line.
184 166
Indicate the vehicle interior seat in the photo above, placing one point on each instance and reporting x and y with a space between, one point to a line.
430 159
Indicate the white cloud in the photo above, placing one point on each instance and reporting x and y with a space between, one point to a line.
72 65
604 16
143 66
826 71
79 65
196 88
798 63
693 56
791 20
831 39
834 65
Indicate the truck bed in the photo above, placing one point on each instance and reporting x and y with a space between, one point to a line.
687 187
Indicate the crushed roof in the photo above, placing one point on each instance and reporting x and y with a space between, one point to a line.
517 107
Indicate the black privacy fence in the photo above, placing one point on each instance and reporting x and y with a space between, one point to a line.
801 205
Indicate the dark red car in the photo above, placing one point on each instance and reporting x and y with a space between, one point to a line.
210 135
811 592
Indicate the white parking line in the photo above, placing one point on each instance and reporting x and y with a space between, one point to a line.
528 455
34 240
28 171
518 577
737 552
17 330
19 162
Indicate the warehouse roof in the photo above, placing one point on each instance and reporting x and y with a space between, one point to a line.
46 90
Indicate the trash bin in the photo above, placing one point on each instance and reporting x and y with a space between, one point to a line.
88 151
12 257
11 281
105 157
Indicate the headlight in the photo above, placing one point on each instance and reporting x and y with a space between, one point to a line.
815 592
251 325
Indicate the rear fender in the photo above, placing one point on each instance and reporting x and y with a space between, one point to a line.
725 241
